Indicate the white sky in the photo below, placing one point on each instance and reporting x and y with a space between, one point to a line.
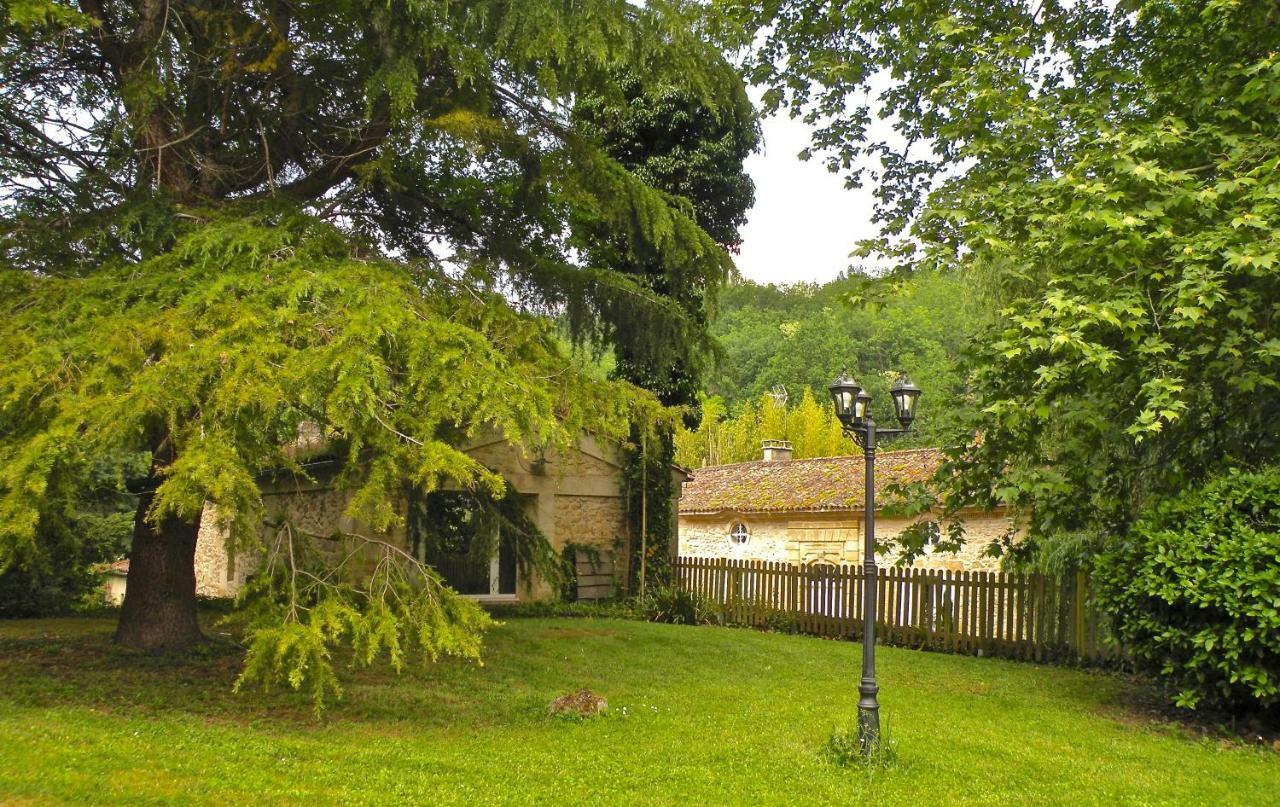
804 223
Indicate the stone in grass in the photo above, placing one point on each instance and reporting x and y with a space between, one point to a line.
583 703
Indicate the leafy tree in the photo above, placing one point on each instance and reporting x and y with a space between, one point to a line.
810 425
1107 173
799 337
198 204
66 572
673 140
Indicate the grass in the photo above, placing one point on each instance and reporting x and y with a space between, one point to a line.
696 715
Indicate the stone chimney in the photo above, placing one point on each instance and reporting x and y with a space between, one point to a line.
777 450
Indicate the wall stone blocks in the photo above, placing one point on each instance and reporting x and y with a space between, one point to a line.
829 538
575 497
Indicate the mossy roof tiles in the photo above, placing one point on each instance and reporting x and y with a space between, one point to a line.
809 485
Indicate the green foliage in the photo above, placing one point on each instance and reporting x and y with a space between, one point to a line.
438 130
677 606
1194 592
779 621
65 571
799 337
80 528
672 139
811 427
197 205
302 604
564 608
1106 175
226 345
651 486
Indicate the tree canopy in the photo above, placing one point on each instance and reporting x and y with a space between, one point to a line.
800 337
669 137
1108 174
223 223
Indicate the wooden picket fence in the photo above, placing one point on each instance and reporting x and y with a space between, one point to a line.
981 613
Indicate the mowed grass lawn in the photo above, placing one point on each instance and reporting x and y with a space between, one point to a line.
696 716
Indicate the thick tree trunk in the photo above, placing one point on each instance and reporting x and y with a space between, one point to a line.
159 611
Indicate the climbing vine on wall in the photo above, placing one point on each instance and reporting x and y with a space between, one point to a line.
651 494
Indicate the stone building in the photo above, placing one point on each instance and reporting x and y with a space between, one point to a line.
812 510
575 498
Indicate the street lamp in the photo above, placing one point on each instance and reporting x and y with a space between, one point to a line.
853 408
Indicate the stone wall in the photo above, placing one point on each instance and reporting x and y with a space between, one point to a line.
708 537
599 522
829 538
596 521
574 497
314 511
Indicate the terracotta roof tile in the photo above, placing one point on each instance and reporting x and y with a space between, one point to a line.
820 484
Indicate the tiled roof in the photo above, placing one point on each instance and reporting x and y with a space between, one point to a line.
821 484
119 567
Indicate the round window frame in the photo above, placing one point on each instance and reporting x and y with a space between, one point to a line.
734 532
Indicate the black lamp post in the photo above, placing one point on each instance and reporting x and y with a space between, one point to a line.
853 409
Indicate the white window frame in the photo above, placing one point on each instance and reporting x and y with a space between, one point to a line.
734 531
494 573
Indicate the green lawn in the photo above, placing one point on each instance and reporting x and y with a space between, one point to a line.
697 715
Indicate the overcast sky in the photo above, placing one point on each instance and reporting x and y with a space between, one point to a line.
804 223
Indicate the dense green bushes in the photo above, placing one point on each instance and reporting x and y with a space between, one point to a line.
1194 592
60 576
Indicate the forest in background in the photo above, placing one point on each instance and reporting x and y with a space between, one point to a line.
799 337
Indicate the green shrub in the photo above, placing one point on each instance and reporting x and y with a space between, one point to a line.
542 609
1193 592
676 606
59 575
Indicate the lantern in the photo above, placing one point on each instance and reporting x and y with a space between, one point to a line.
905 394
845 394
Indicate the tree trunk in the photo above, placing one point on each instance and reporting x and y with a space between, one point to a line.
159 611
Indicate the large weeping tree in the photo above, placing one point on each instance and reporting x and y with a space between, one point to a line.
227 224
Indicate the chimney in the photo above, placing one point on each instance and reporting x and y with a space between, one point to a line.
777 450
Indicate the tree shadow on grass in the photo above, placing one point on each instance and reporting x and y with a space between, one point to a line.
73 662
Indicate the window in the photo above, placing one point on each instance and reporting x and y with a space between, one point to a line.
739 535
459 535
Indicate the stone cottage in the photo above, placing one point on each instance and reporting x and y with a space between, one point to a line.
811 511
575 497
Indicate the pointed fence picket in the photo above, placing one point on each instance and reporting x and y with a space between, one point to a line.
982 613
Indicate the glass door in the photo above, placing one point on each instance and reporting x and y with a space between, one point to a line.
453 532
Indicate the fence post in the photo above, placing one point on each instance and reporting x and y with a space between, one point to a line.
1029 616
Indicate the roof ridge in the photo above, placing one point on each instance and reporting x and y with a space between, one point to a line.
896 452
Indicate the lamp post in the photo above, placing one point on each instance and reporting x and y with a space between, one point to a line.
853 409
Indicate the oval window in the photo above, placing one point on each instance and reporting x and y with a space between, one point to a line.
739 535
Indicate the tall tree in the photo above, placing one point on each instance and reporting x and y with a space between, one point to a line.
675 141
197 202
1108 172
799 337
670 137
